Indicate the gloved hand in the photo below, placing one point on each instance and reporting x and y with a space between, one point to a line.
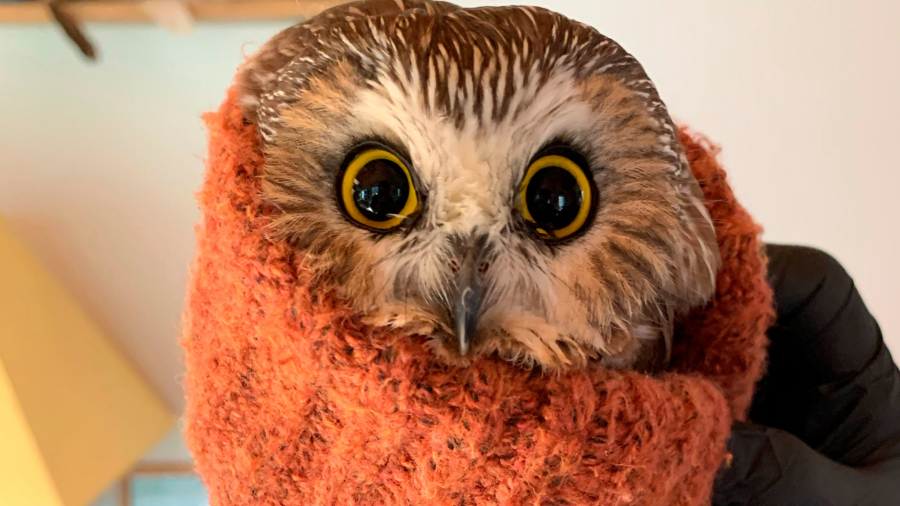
825 422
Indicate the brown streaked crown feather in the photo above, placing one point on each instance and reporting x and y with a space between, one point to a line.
471 94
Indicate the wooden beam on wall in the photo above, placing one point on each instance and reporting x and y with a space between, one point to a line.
137 11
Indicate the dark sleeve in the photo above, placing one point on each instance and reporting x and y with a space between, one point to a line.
825 422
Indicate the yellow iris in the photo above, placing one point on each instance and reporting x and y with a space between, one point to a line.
579 185
365 176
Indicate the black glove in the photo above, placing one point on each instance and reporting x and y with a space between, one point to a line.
825 422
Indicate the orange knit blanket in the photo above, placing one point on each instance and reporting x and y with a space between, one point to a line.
292 401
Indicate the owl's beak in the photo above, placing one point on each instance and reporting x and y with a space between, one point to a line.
467 295
468 307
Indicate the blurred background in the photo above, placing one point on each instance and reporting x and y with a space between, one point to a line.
99 160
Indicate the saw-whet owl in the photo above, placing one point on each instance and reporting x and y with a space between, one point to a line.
499 180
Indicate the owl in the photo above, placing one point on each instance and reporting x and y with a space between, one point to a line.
495 181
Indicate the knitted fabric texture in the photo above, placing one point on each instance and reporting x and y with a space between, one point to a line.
292 401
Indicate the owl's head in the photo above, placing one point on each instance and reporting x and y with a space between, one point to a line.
498 180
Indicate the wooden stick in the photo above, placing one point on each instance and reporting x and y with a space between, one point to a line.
116 11
72 27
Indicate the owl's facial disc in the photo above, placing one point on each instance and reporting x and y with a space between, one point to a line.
498 180
379 190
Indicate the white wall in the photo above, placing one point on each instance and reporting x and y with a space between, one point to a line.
99 162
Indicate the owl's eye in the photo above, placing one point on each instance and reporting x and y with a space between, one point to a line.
377 190
556 196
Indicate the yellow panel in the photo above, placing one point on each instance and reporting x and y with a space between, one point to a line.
23 479
90 414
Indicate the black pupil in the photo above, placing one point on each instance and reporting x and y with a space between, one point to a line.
380 190
553 198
